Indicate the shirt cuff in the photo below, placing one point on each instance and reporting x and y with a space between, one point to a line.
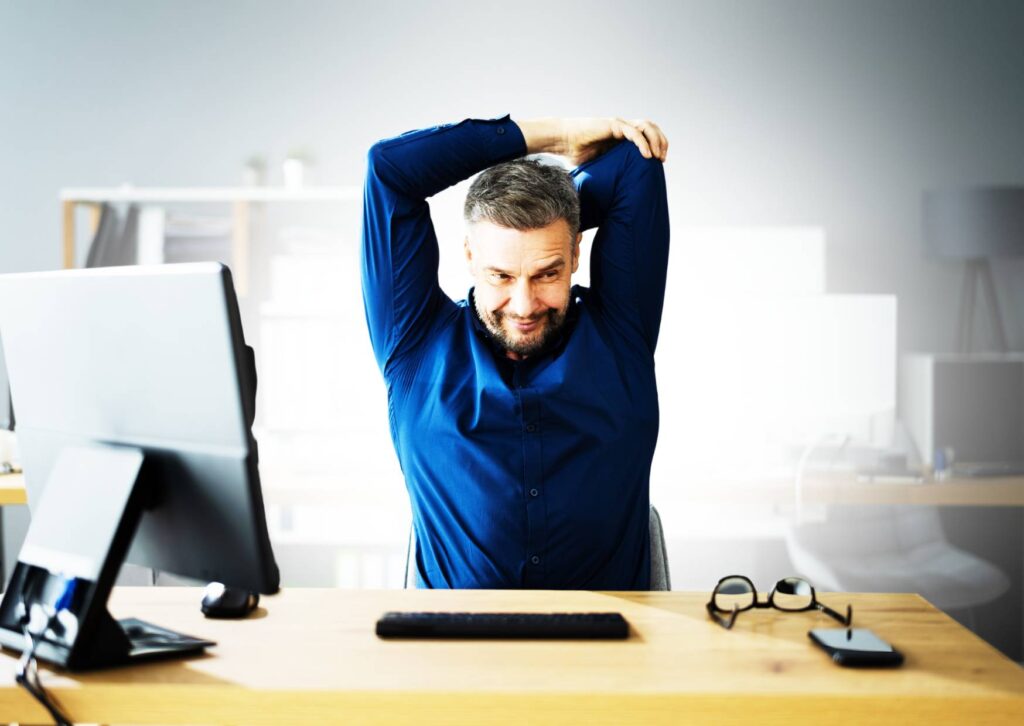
503 136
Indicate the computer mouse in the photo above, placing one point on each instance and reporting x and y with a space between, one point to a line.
221 601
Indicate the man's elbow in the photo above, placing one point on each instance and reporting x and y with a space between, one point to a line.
643 175
375 162
382 172
633 167
634 157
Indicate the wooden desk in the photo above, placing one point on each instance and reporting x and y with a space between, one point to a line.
979 492
312 657
846 489
982 492
12 489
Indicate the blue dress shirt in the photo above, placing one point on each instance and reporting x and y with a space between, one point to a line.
529 473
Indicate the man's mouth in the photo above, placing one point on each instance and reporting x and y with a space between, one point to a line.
525 326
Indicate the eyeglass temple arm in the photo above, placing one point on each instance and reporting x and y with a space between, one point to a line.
829 611
725 623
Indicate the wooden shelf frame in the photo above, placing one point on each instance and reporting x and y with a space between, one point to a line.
241 200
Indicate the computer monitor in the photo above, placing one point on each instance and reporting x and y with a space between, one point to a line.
6 409
135 402
6 421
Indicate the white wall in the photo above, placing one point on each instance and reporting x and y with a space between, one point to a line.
805 113
788 112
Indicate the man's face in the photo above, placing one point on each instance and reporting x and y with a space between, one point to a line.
522 282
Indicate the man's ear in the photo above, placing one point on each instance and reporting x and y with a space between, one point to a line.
576 252
469 253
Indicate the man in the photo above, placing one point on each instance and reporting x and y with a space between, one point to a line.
525 417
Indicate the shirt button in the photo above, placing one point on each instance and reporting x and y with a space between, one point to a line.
501 130
534 493
531 427
535 560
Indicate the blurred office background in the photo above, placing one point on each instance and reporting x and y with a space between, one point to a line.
805 137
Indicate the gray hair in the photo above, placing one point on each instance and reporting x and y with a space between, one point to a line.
523 194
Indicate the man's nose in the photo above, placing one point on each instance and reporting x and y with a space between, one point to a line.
522 303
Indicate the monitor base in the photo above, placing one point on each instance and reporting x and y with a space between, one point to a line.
152 641
57 595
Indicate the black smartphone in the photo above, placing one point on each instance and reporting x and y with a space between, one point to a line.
856 647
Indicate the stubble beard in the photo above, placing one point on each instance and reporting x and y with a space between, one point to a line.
536 341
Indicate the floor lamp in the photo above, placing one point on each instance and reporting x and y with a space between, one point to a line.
976 225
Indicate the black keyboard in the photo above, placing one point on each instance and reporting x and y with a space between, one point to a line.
502 625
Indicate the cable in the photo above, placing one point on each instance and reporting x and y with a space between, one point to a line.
39 693
27 675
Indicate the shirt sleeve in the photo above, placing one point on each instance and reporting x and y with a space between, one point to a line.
623 195
399 247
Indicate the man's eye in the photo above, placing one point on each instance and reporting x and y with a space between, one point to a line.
500 276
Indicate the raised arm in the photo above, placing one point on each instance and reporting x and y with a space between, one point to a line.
583 139
622 193
400 255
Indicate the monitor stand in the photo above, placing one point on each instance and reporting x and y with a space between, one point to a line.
80 532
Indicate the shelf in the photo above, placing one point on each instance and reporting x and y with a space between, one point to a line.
12 489
239 197
98 195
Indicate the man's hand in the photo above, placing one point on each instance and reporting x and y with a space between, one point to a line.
582 139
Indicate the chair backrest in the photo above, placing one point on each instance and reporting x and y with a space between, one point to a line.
660 577
864 530
410 560
876 548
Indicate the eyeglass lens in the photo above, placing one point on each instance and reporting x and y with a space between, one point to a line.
734 593
793 593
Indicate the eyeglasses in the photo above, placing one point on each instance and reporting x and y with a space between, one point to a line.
736 593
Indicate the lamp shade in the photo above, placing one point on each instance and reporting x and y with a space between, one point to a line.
974 223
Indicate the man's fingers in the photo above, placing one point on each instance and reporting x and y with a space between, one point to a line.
646 134
662 142
649 131
655 138
634 134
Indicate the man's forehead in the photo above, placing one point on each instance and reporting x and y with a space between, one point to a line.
518 265
510 258
546 245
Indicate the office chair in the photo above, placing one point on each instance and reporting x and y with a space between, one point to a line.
660 577
876 548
